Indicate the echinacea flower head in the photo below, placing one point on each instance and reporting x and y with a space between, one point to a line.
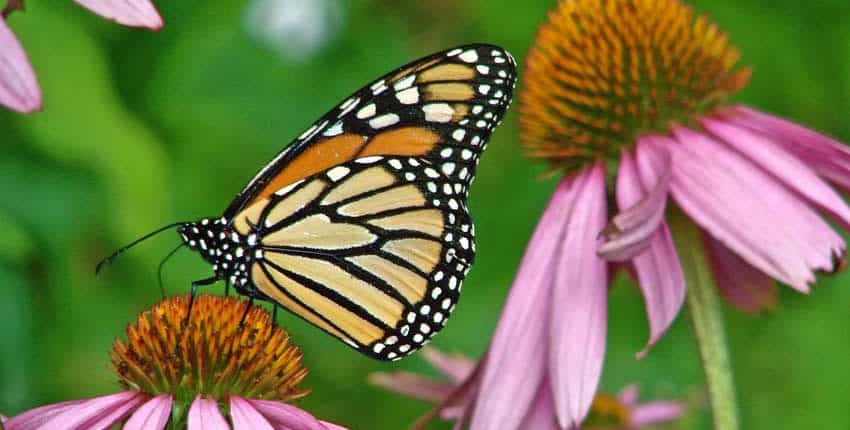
456 394
630 101
226 365
19 89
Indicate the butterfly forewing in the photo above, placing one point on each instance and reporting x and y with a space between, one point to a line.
362 223
454 98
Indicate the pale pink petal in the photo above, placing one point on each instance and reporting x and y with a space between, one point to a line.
658 270
152 415
741 284
515 360
132 13
456 367
749 211
287 416
787 168
828 157
35 418
630 231
204 414
655 413
18 85
578 315
628 396
542 413
413 385
246 417
97 413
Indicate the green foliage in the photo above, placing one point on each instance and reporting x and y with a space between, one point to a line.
141 129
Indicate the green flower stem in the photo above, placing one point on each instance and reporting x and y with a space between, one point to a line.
707 319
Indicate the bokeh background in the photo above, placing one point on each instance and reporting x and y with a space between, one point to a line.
141 129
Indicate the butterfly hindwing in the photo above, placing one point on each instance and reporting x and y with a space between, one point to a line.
374 251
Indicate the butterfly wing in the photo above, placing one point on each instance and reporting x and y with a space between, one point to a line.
460 93
363 222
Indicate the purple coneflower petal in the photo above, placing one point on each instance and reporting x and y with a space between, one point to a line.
413 385
286 416
18 85
828 157
246 417
35 418
204 414
578 317
152 415
456 367
741 284
515 360
748 211
641 213
655 413
97 413
787 168
330 426
132 13
658 270
628 396
542 413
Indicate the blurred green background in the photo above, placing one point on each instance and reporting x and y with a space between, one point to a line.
141 129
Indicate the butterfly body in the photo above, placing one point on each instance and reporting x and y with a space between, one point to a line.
361 225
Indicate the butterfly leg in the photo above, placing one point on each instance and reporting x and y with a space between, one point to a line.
227 289
274 313
247 308
195 285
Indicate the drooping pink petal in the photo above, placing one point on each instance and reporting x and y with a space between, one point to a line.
741 284
828 157
246 417
413 385
152 415
578 316
748 211
515 360
655 413
630 231
19 88
204 414
97 413
132 13
456 367
287 416
787 168
35 418
542 413
658 270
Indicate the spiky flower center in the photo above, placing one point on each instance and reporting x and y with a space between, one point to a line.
603 72
213 353
606 413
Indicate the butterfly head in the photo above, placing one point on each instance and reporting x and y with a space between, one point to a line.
229 252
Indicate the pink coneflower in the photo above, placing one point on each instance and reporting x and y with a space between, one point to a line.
193 375
456 397
628 99
19 88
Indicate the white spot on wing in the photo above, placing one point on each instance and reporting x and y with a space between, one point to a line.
438 112
470 56
454 52
334 129
409 96
338 173
404 83
385 120
366 111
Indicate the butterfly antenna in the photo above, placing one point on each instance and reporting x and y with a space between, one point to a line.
162 264
108 260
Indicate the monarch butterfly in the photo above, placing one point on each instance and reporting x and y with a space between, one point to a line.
360 226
